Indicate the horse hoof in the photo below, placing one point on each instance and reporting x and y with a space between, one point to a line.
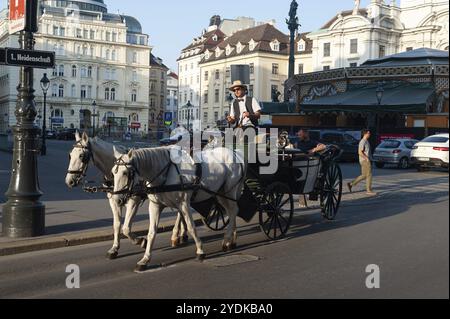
140 268
175 243
201 257
112 256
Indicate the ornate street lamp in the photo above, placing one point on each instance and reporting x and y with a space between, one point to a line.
188 106
45 84
94 104
379 93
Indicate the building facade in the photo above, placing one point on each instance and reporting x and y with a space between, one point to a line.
172 97
157 94
264 48
100 57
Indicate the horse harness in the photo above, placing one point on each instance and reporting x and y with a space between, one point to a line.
86 156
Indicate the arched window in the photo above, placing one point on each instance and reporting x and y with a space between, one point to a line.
74 71
57 113
133 96
61 91
113 94
89 71
83 72
107 94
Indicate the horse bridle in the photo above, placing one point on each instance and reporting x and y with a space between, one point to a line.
86 156
128 189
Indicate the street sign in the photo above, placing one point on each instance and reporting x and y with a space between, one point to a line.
17 15
168 118
30 58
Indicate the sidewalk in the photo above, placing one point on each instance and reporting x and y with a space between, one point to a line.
80 222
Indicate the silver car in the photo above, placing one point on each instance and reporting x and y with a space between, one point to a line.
394 151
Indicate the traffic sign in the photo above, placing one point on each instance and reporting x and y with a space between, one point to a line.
30 58
168 118
17 15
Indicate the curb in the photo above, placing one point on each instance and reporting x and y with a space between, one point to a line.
85 238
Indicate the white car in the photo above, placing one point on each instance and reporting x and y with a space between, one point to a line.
431 152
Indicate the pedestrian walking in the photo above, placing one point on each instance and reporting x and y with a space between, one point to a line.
365 156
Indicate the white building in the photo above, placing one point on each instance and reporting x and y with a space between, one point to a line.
189 65
355 36
172 97
100 57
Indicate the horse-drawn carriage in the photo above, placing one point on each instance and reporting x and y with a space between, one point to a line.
271 196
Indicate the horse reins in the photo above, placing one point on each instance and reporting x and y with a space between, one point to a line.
85 158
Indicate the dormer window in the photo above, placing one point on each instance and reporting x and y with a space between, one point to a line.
215 38
207 55
218 52
275 45
239 47
228 50
252 45
301 46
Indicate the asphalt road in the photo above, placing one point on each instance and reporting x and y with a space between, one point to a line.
404 231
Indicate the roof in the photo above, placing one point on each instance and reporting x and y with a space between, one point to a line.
362 12
263 35
133 25
398 97
308 43
173 75
420 56
208 41
157 62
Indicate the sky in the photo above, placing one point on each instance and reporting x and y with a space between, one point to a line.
172 24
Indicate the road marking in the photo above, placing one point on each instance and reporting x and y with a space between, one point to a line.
231 260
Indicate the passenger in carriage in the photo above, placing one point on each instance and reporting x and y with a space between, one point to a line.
307 145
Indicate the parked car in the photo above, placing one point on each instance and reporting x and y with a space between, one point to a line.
394 151
343 140
431 152
51 134
66 134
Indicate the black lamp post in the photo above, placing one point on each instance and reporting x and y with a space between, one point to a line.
94 104
45 84
379 93
24 214
188 106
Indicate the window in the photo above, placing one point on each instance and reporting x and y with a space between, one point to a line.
227 72
54 90
113 94
382 52
205 116
92 51
73 91
135 57
326 67
353 46
61 49
216 96
55 71
89 71
106 93
55 30
250 90
62 32
89 92
74 71
85 50
92 34
206 76
113 55
78 33
114 37
83 91
216 116
108 36
107 55
275 68
133 96
276 46
113 74
191 95
61 91
83 72
252 68
300 69
61 70
353 65
301 47
134 76
327 49
217 75
85 34
205 97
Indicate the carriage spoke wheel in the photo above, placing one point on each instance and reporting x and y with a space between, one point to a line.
276 210
331 193
217 219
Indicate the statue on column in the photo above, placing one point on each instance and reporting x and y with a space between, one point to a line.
356 7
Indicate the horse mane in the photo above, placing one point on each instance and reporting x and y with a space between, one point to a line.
103 157
151 161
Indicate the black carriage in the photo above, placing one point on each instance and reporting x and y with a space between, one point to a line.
272 196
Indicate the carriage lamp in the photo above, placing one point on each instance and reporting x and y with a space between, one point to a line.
45 84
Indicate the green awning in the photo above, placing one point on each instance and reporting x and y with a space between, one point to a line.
277 108
397 97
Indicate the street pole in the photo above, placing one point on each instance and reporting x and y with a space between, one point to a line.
293 25
23 213
44 128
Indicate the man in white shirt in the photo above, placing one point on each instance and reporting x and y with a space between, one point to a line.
245 111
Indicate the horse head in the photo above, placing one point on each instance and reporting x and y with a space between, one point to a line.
78 160
125 177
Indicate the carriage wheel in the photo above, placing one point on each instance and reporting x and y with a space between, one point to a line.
276 210
217 219
331 193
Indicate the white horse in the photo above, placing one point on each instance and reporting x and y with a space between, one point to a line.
101 154
223 173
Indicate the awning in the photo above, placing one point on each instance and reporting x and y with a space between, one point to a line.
397 97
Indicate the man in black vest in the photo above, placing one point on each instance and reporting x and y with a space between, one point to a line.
245 111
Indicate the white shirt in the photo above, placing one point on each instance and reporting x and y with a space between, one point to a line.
256 108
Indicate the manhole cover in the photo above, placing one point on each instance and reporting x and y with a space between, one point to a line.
231 260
